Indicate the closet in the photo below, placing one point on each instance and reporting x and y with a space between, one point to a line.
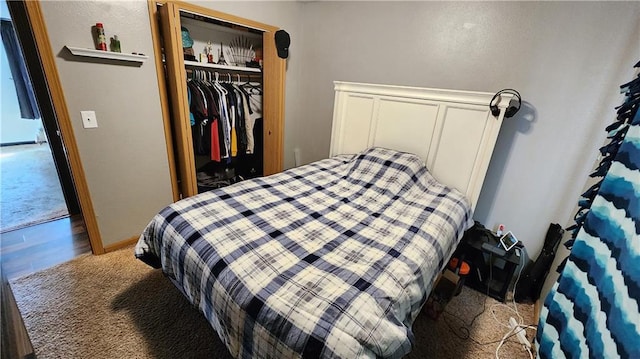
223 112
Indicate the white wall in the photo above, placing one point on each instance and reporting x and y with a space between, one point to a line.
567 60
125 158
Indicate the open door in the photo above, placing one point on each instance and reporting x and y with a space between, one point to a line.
41 91
176 80
274 75
168 16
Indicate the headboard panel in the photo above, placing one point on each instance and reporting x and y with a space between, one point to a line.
452 131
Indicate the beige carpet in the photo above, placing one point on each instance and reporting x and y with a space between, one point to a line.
114 306
30 190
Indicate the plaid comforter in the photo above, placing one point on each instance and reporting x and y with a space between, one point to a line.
329 260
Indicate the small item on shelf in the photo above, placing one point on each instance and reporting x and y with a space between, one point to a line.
254 64
230 59
257 58
257 53
115 44
221 60
209 51
101 39
188 55
241 51
187 44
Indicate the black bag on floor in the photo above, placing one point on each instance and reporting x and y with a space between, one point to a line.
534 276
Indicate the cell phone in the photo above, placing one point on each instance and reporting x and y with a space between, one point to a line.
508 241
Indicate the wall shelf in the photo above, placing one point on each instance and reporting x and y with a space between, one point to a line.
221 67
77 51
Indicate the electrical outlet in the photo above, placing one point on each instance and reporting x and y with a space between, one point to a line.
89 119
296 157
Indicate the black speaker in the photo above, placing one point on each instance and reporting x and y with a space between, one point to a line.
514 104
533 278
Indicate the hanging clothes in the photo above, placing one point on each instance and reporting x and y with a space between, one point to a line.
223 128
235 109
198 108
255 110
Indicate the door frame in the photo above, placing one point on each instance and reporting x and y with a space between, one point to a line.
27 15
274 73
47 115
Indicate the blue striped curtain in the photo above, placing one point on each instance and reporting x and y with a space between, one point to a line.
593 310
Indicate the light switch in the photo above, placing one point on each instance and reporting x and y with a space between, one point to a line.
89 119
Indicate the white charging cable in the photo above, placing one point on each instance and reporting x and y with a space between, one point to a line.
515 328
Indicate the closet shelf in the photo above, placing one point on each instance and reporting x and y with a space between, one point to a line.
78 51
221 67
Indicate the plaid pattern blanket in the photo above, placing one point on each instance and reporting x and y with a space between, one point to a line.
329 260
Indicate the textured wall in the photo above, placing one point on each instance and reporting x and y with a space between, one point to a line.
567 60
125 158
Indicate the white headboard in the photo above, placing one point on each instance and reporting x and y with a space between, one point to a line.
454 132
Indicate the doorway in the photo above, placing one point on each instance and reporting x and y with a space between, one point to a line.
37 192
31 188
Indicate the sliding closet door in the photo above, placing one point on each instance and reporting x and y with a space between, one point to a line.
176 83
168 15
273 85
273 104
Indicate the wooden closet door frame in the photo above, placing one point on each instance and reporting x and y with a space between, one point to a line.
273 98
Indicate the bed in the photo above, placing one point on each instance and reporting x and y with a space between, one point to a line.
336 258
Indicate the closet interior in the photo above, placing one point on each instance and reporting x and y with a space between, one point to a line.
225 95
224 88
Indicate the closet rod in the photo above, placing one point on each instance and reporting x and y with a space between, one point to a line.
234 76
216 67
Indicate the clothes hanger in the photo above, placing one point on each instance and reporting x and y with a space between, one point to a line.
217 84
251 87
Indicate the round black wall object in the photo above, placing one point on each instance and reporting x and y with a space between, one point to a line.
283 40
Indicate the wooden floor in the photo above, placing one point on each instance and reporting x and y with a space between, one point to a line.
31 249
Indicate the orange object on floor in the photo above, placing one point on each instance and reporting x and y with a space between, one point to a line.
464 267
